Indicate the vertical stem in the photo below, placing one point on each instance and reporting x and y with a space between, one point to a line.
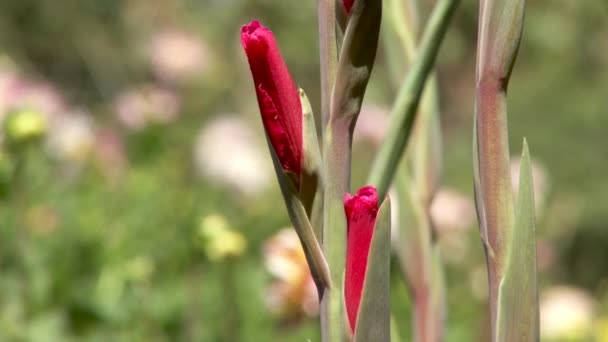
337 173
495 186
499 36
328 55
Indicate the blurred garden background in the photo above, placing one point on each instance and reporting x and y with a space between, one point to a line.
138 200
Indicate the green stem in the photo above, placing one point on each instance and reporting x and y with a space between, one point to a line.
337 154
404 110
329 55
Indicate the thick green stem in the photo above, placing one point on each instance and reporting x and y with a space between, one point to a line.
337 154
328 55
404 110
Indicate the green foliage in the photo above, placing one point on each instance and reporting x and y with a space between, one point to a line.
87 258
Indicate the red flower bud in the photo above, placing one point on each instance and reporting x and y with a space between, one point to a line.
277 95
361 210
348 5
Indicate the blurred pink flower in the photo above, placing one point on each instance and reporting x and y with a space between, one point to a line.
228 151
177 55
20 92
293 292
452 211
371 124
145 105
110 153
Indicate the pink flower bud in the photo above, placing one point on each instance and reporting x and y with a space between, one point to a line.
277 95
361 210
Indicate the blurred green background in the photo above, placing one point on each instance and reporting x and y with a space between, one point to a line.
138 202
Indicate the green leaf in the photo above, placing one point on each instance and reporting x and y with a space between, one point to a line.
311 185
404 110
518 305
299 219
373 318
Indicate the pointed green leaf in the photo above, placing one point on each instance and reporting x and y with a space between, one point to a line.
373 319
299 219
311 185
518 306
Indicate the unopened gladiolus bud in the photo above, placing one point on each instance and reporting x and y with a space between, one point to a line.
361 210
348 5
277 95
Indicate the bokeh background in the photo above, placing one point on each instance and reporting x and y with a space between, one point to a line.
138 201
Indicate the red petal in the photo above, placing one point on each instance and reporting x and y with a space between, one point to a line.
361 210
276 129
348 5
277 94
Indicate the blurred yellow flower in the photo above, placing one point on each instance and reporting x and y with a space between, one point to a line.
25 125
218 240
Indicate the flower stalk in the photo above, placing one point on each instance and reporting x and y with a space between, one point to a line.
328 52
357 55
506 227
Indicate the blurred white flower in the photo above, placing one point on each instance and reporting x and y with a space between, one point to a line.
293 292
566 313
145 105
228 151
177 55
452 211
71 137
540 179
